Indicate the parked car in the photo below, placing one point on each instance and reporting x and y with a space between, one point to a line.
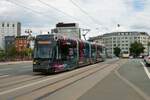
147 60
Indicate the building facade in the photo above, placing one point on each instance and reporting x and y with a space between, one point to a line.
123 40
9 42
21 43
97 39
9 29
70 30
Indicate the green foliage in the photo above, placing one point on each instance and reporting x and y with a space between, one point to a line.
117 51
2 55
136 48
12 51
28 52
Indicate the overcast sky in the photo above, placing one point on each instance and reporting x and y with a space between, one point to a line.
100 16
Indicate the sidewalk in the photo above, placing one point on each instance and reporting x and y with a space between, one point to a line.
14 62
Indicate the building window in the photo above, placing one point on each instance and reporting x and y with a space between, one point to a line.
13 25
7 25
3 25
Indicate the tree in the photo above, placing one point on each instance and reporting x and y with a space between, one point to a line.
117 51
136 48
12 51
2 55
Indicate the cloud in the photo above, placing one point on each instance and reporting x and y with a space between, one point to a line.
132 14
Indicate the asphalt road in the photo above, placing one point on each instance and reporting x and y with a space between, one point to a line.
128 82
111 80
13 69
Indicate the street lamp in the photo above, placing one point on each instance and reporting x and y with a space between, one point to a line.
29 31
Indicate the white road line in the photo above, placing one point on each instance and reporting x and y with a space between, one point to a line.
32 84
24 86
1 76
19 68
6 69
146 70
137 89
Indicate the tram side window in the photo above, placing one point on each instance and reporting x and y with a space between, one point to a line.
87 52
68 52
93 52
64 52
99 52
71 53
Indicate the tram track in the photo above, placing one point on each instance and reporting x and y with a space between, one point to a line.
56 86
2 86
11 93
48 82
18 76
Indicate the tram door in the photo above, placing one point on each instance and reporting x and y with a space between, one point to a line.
68 51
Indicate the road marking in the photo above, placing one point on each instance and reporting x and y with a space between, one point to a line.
6 69
20 68
38 82
139 91
1 76
146 70
32 84
24 86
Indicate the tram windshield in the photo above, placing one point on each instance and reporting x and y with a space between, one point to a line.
44 51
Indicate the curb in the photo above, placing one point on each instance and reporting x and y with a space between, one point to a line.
17 62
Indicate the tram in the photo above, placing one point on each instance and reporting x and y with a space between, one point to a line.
53 53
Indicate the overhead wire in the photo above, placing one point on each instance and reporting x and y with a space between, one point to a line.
58 10
87 14
29 9
48 5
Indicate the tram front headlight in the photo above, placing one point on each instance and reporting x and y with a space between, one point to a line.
34 62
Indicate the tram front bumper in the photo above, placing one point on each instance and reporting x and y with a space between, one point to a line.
43 69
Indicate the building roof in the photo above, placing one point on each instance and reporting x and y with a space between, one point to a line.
67 25
22 37
131 33
95 38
